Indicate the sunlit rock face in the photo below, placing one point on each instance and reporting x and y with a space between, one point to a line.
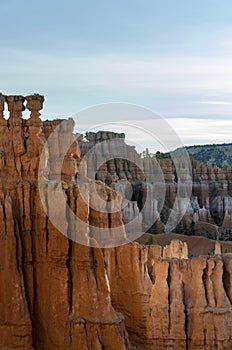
57 294
171 303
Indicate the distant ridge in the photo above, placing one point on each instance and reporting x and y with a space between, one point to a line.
210 154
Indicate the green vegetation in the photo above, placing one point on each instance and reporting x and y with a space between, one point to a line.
223 249
219 155
161 155
226 235
158 154
151 240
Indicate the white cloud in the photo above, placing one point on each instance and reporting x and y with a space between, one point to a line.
190 132
202 131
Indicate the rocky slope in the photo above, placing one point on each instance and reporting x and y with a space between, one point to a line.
58 294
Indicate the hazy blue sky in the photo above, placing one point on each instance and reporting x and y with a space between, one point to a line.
174 57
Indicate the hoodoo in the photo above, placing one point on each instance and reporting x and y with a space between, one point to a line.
57 294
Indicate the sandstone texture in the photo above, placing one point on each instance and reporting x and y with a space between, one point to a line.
178 304
56 294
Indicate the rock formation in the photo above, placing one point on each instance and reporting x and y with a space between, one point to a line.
176 249
179 304
57 294
209 210
54 293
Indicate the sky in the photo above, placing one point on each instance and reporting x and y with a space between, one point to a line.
172 57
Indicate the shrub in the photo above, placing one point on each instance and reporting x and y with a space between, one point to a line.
151 240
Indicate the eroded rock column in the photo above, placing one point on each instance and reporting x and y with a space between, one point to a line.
2 105
15 106
34 105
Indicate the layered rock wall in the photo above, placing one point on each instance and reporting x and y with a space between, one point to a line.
56 294
178 304
209 210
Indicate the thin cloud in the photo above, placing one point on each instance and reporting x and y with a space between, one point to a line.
190 132
166 84
219 103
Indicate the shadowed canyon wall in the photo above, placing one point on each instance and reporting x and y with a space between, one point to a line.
209 212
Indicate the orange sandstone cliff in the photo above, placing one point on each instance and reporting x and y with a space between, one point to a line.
56 294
